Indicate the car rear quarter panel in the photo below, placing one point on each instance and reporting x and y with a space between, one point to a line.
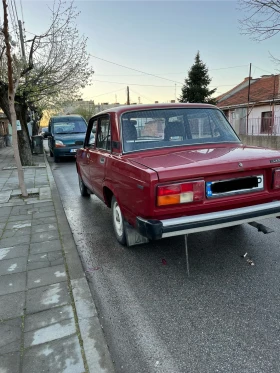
131 185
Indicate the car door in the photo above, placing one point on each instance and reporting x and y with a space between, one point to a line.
84 158
98 158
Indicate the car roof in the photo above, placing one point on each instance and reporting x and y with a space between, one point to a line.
61 118
126 108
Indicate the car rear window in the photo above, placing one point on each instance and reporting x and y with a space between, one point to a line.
148 129
69 127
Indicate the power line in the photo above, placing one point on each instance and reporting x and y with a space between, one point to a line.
15 9
130 68
183 72
147 98
159 86
107 93
263 70
143 85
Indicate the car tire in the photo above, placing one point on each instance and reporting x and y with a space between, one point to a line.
83 189
56 159
118 221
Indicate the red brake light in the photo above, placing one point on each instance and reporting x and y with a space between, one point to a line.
276 179
192 191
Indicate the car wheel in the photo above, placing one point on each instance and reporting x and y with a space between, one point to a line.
51 153
83 189
118 221
56 159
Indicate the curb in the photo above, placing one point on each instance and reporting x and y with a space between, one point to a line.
96 352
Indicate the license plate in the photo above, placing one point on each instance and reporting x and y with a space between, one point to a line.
73 150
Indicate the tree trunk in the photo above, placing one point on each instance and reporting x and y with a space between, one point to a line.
23 138
11 100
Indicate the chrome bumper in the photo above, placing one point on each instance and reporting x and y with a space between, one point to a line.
156 229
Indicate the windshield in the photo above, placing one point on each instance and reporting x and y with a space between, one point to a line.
150 129
70 127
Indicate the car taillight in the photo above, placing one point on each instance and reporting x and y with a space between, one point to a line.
174 194
276 179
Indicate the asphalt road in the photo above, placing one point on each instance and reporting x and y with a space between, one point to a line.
223 318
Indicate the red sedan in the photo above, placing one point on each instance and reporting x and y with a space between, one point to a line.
173 169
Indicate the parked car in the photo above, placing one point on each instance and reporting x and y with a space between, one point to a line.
173 169
66 134
44 132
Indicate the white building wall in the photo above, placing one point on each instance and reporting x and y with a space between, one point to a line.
255 115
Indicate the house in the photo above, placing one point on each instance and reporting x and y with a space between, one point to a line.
253 106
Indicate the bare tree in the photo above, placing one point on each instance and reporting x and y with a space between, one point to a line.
263 20
57 66
12 87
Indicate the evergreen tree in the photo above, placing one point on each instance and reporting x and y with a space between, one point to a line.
196 85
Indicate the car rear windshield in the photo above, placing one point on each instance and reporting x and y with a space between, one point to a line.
69 127
160 128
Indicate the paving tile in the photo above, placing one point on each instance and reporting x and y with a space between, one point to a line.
45 318
19 225
44 228
38 201
52 258
13 241
14 265
49 333
60 356
95 346
46 297
46 276
10 363
13 252
83 300
10 332
12 283
19 218
44 236
45 247
3 219
45 214
12 305
5 211
49 220
4 196
17 232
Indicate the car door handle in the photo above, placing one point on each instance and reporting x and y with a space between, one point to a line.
102 160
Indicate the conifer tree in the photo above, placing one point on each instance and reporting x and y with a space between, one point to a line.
196 84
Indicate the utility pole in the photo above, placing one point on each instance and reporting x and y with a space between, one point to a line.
21 41
128 99
249 86
273 106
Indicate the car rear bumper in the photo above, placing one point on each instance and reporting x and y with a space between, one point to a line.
156 229
66 151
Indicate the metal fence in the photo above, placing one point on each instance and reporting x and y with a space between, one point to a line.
264 126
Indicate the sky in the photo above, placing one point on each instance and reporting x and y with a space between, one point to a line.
160 38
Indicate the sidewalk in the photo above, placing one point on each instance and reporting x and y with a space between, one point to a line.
48 321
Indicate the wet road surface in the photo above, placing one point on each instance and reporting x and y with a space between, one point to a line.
223 318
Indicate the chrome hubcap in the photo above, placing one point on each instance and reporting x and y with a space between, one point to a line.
118 221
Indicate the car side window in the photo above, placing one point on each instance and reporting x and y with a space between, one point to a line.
90 135
104 134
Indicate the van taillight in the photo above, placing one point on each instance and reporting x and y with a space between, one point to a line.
276 179
174 194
